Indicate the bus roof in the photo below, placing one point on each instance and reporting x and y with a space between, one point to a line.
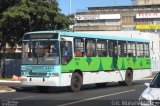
86 35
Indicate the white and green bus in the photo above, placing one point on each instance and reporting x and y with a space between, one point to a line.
61 58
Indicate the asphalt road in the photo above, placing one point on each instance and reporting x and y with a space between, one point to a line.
111 94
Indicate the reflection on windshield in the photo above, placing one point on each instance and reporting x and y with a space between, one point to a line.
156 82
40 52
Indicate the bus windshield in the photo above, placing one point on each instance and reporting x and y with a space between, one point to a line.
40 52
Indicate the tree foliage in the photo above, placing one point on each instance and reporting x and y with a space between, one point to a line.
4 4
20 16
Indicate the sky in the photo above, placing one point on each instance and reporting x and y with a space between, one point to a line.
82 5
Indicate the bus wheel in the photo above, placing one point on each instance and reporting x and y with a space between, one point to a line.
76 82
42 88
128 78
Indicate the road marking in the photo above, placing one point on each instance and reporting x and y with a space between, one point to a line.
23 98
71 103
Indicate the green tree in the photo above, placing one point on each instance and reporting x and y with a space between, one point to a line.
30 15
20 16
4 4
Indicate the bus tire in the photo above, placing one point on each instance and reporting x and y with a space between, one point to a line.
128 78
76 82
42 88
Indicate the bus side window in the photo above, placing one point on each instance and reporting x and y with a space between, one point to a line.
66 52
112 48
26 50
78 53
139 48
146 49
101 48
88 53
90 45
122 49
79 47
131 49
130 54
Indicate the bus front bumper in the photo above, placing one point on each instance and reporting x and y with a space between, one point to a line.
40 81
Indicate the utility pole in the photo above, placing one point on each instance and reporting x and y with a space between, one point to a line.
70 7
30 26
114 2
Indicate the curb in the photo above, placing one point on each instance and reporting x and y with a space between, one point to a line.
5 81
7 91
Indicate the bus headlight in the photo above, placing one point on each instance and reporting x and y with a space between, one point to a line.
53 74
56 74
48 74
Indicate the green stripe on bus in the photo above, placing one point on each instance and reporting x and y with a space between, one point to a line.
93 64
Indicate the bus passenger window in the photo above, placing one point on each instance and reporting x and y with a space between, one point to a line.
79 47
122 48
139 48
78 53
146 50
131 49
88 53
112 48
66 52
90 47
102 48
26 50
